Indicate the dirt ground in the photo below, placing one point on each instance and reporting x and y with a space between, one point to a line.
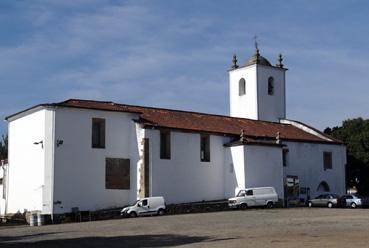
300 227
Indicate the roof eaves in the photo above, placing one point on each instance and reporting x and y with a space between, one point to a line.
254 142
99 109
318 131
28 109
314 141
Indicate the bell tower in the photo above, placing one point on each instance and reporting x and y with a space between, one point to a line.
258 89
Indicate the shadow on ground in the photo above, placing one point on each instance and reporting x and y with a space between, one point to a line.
160 240
19 238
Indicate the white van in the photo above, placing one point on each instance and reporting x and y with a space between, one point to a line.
252 197
145 206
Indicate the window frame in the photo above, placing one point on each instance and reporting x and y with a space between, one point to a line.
242 87
270 86
205 153
165 144
285 157
117 174
327 160
100 124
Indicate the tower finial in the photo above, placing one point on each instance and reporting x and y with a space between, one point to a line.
278 138
242 136
257 54
256 42
280 59
234 62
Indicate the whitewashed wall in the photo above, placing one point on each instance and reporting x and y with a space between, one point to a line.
79 169
27 162
271 107
49 148
73 174
184 178
3 187
243 106
305 160
264 167
234 179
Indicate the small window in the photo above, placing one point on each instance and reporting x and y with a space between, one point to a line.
205 148
327 160
270 86
284 154
117 173
98 133
164 144
242 87
144 202
249 192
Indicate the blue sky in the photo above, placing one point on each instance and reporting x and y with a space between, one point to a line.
175 54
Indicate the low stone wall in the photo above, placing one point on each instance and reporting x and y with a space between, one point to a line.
194 207
105 214
198 207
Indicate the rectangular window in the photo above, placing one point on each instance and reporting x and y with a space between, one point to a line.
327 160
117 173
205 148
284 154
164 144
98 133
270 86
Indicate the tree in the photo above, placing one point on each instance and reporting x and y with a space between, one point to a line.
4 147
355 134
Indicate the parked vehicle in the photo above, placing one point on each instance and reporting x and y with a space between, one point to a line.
352 201
252 197
324 200
145 206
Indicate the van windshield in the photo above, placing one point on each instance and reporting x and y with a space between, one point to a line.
241 193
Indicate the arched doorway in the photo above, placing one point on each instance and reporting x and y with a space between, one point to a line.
323 187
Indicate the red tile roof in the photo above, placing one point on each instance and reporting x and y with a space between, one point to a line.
201 122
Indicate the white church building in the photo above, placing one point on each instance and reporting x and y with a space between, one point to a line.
96 154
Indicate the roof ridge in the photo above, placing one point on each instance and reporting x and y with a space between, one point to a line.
168 109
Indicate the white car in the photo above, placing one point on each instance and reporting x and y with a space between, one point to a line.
252 197
145 206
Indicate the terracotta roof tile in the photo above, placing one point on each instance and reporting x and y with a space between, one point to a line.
201 122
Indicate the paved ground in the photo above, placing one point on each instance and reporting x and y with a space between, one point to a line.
301 227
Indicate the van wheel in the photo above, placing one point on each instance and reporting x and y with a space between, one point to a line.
353 205
270 205
310 204
161 212
133 215
243 206
330 205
